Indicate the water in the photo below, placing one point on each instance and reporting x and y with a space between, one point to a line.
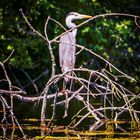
31 127
28 113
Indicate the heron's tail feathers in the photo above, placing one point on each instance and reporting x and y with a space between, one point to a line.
66 79
66 69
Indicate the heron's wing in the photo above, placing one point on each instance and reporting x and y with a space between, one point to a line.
67 51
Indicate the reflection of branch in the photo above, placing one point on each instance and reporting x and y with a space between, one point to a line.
11 113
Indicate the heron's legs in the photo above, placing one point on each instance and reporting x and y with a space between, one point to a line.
72 81
64 86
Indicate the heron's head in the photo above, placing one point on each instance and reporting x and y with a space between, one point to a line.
75 16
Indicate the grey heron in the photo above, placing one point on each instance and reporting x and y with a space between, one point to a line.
67 47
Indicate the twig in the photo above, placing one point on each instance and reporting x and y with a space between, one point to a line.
36 79
45 29
11 92
16 79
137 23
34 31
9 56
58 23
10 88
34 85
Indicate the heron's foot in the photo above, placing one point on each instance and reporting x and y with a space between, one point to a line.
63 90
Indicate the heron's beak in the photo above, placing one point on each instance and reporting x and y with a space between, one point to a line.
87 16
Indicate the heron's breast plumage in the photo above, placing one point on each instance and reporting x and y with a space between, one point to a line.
67 50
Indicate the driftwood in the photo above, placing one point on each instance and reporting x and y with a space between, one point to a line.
109 89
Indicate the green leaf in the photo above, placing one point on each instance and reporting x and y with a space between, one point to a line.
9 47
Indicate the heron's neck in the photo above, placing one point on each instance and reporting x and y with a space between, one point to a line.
71 25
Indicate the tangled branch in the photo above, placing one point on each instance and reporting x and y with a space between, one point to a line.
101 84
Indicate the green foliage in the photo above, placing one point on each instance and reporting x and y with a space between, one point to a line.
115 38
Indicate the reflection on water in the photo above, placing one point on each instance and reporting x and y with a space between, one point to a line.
33 131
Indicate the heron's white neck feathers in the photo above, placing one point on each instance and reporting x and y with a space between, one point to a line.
70 25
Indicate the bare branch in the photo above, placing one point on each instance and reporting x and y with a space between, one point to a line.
34 31
9 56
